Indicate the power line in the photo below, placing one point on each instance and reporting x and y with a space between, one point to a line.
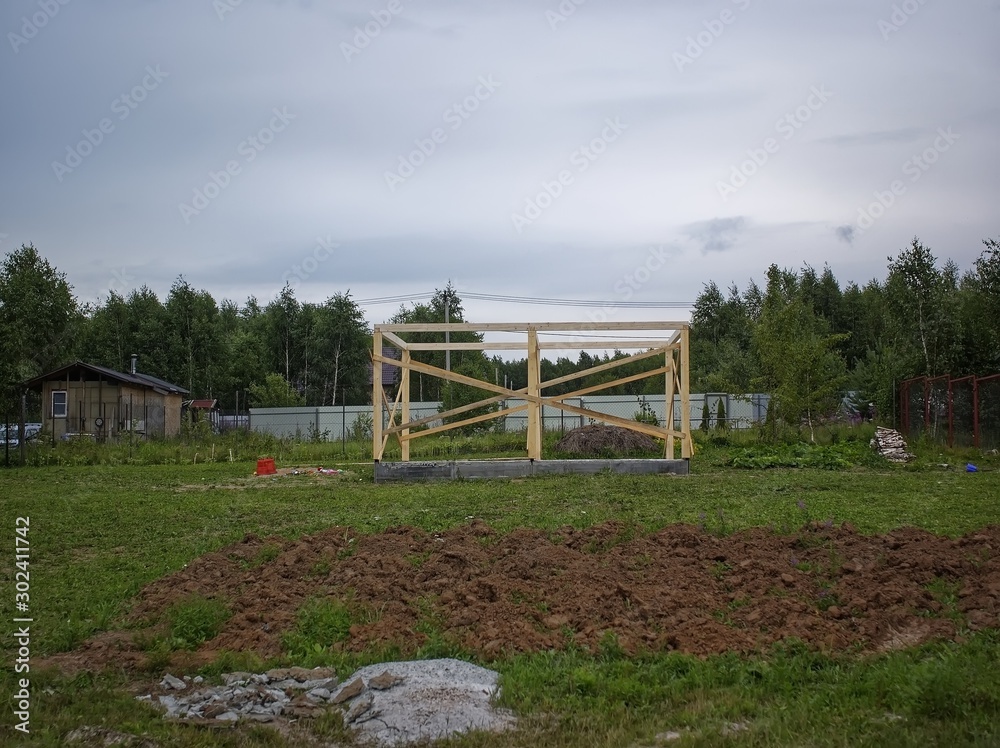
533 300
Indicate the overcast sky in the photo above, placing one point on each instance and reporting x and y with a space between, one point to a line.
619 151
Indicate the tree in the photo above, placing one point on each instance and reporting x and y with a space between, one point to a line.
988 268
985 284
37 313
341 346
917 313
194 338
721 336
280 316
106 332
275 392
435 312
799 362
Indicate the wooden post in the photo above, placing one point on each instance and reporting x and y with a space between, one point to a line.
376 397
534 409
669 403
405 417
22 443
687 448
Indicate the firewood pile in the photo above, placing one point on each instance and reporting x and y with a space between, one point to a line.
890 444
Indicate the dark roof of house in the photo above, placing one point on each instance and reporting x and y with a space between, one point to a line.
206 404
142 380
390 373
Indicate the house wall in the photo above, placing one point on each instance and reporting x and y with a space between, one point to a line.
121 406
153 414
85 402
172 415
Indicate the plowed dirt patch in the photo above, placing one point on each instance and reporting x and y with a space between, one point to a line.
680 588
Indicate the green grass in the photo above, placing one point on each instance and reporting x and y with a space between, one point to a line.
319 624
942 693
194 620
99 533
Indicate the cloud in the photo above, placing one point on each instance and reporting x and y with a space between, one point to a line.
876 137
845 233
716 235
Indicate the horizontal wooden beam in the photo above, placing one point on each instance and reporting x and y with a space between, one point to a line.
660 345
498 346
551 345
524 326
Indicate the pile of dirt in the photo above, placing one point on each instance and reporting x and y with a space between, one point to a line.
599 440
680 588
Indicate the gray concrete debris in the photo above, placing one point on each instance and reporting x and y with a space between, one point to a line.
427 700
391 704
260 696
170 681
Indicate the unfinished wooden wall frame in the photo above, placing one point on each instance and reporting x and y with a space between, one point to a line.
673 350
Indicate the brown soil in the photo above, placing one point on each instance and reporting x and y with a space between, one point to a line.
602 440
680 588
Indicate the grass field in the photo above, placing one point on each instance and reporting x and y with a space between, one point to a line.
99 533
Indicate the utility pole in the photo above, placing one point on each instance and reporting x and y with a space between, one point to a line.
447 334
447 340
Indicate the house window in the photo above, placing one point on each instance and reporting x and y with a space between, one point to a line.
59 404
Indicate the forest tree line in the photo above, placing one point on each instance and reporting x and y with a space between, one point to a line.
803 337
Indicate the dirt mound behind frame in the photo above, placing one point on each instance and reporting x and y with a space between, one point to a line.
599 441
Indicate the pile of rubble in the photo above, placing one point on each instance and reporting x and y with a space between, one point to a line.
388 705
258 697
890 444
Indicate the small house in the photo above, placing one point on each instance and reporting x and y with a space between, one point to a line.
202 411
82 399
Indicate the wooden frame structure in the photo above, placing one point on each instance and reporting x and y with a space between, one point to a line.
673 351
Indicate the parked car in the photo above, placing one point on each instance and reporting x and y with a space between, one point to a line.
10 436
72 436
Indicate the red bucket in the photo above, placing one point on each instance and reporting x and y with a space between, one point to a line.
266 466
